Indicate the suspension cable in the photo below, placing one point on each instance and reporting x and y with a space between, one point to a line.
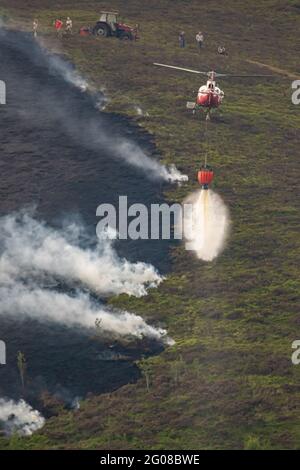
207 142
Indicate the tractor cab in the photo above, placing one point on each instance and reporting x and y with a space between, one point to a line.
110 18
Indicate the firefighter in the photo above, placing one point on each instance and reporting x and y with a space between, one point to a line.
58 26
35 27
181 39
222 50
69 25
200 39
136 31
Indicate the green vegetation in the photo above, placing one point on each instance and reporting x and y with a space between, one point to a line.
228 382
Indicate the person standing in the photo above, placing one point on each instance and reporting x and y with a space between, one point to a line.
222 50
181 38
69 25
200 39
35 25
136 31
58 26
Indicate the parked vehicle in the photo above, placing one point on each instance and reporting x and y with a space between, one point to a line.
108 25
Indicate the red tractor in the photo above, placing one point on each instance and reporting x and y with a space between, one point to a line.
108 25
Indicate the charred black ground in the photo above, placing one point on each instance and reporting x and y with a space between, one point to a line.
46 164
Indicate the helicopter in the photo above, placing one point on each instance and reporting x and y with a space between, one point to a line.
209 96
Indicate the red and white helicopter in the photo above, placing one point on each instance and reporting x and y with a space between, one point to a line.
210 95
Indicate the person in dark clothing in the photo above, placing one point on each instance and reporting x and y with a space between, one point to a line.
181 39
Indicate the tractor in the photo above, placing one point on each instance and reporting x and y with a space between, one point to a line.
108 25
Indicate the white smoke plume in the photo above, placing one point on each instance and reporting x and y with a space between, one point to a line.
61 67
139 111
91 132
29 248
120 147
135 156
206 226
19 417
32 255
75 405
44 305
102 100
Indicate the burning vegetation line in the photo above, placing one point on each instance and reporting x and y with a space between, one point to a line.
35 259
19 417
92 132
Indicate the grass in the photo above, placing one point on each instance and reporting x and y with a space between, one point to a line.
229 381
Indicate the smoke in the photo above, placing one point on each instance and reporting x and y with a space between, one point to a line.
31 249
95 137
19 417
135 156
90 131
33 257
101 99
206 226
139 111
75 405
62 68
21 300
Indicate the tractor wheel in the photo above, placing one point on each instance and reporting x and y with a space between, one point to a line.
101 29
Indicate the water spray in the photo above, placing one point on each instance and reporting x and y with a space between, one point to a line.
206 226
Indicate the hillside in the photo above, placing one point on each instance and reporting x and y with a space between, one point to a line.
229 381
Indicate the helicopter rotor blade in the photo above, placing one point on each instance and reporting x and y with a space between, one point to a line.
224 75
181 68
216 74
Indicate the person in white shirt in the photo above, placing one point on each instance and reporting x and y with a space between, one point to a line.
69 25
200 39
222 50
35 27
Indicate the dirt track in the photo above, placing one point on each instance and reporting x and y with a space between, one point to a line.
278 70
